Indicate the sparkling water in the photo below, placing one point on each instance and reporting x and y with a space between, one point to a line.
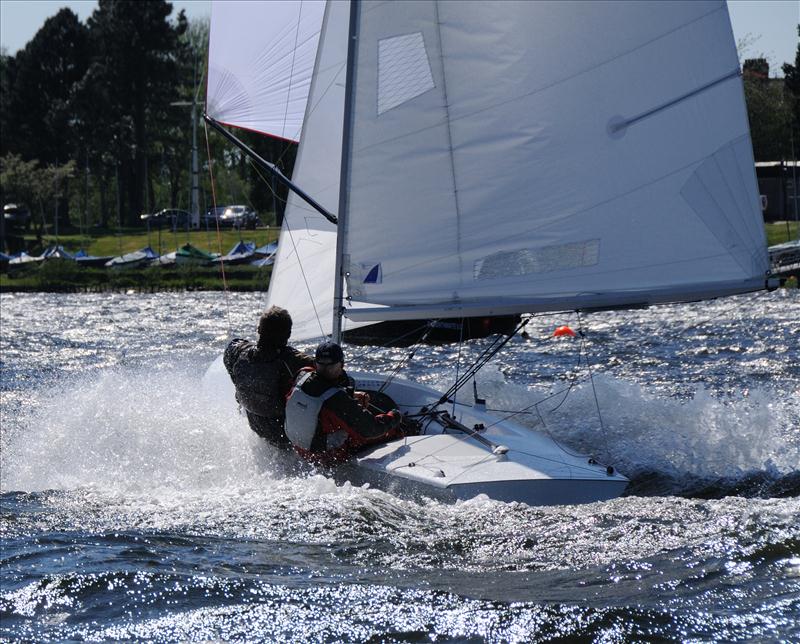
137 504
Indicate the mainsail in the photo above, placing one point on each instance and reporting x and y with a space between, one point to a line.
528 156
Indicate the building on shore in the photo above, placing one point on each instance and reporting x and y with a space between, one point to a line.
779 185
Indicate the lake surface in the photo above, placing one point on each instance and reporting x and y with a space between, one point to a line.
137 504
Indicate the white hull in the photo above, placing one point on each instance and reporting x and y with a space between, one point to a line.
535 470
451 464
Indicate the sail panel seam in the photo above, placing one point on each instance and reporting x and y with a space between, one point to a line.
456 200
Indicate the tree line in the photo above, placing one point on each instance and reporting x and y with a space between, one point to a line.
95 119
773 108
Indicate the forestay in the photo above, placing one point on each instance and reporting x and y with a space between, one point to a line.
261 59
527 156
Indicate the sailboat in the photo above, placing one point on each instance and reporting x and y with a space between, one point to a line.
494 159
242 253
136 259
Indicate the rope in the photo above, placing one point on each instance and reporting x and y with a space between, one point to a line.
408 357
225 291
479 363
585 353
291 68
389 343
606 369
299 263
458 361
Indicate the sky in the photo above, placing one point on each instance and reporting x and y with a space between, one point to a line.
769 26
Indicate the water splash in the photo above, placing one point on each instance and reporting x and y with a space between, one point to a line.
134 430
130 431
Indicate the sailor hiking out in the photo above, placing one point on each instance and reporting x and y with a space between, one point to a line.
263 373
326 421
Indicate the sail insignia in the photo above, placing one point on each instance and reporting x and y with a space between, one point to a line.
375 275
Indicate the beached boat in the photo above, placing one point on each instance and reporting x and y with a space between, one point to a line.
91 261
57 252
241 253
191 255
137 259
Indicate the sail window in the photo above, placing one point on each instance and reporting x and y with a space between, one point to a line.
404 70
527 261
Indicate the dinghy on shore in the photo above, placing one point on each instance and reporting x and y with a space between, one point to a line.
241 253
91 261
191 255
137 259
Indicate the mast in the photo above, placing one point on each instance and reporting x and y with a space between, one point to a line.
347 146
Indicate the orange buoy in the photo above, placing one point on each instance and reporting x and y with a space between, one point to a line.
562 331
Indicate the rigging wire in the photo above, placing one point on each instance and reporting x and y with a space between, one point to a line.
389 343
498 343
458 361
408 357
291 68
219 234
525 410
572 383
299 263
585 354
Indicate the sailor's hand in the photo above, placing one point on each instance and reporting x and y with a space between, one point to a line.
362 398
396 418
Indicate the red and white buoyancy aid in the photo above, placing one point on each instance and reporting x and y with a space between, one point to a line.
302 417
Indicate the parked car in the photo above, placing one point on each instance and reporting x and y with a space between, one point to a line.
16 216
212 215
233 217
170 217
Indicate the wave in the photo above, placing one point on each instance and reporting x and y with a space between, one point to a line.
129 430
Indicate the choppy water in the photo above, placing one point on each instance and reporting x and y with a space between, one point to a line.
136 506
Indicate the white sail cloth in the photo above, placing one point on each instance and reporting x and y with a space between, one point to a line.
303 277
261 59
524 156
265 84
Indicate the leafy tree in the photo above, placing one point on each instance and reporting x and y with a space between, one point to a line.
7 74
767 111
792 85
136 62
37 105
40 188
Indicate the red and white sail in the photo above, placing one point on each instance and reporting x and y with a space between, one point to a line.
261 59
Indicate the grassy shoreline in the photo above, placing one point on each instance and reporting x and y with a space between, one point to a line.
66 277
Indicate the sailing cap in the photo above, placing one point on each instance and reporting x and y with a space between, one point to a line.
329 353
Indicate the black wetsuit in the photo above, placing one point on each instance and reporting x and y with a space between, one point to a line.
263 376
